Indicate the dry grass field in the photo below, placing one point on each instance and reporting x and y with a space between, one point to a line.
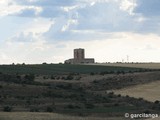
46 116
135 65
150 91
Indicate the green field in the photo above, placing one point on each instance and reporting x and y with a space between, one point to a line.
60 69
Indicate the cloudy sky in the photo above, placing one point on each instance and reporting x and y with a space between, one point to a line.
37 31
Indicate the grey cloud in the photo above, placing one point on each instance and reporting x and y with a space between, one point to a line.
102 16
50 9
27 13
150 10
148 7
50 12
47 2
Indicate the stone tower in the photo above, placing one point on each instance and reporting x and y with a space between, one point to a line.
79 57
79 54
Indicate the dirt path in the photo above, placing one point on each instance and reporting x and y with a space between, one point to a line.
150 91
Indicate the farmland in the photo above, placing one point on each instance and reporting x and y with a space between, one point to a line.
148 91
132 65
73 91
46 116
61 69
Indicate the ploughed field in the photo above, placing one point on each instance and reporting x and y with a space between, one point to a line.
149 91
81 91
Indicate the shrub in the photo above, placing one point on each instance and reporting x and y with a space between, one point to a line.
18 77
89 105
147 111
52 77
69 77
111 93
63 78
7 109
29 77
140 98
34 110
95 81
49 109
119 95
157 102
58 78
116 104
127 96
92 73
70 106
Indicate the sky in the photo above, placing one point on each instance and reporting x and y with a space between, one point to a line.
37 31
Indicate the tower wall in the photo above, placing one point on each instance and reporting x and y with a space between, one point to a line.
79 54
79 57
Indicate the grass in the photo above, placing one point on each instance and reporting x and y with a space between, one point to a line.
47 116
132 65
113 109
59 69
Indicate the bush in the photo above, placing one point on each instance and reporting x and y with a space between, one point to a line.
116 104
147 111
34 110
119 95
7 109
89 105
18 77
140 98
69 77
92 73
157 102
95 81
127 96
70 106
49 109
29 77
52 77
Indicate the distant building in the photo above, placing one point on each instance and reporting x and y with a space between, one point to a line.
79 54
79 57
